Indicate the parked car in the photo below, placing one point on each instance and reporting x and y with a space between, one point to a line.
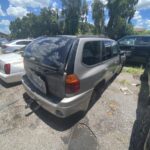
11 67
15 45
3 41
63 72
137 47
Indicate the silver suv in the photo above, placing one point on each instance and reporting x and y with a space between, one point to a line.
63 72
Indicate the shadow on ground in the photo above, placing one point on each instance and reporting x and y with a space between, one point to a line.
58 123
10 85
142 124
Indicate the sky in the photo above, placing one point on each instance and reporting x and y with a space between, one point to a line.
11 9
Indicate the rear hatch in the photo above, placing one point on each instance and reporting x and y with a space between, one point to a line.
45 61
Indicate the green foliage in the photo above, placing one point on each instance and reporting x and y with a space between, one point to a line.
121 12
121 28
86 28
146 32
84 8
73 20
134 70
33 26
98 16
72 13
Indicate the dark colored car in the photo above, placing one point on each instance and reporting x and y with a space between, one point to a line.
137 48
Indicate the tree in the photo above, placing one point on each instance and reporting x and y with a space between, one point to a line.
84 11
72 12
86 28
98 16
33 26
120 12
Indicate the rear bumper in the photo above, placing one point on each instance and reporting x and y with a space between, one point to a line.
65 107
12 78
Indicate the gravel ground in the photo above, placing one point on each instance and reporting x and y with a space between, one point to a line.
117 121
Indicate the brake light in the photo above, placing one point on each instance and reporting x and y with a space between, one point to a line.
7 68
72 84
4 46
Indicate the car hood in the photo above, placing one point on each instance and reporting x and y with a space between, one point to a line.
11 58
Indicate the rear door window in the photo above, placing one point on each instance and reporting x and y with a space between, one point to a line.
107 50
92 53
50 51
129 41
115 49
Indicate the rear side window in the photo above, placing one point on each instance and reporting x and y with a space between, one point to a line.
50 51
111 50
107 51
92 53
115 50
143 41
129 41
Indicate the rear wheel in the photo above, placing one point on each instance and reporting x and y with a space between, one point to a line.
98 90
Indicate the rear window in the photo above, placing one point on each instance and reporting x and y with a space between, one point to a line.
51 51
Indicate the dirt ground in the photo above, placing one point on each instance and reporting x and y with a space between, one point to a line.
119 120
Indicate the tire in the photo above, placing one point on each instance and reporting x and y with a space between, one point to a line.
96 94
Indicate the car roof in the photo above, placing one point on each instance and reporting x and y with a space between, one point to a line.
102 37
137 36
20 40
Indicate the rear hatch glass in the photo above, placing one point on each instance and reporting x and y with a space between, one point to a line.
45 61
50 51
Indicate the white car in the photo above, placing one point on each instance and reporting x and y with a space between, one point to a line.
11 67
15 45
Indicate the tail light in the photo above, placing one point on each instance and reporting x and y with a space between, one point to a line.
7 68
4 46
72 84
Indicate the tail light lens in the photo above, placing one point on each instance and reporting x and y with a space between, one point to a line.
72 84
4 46
7 68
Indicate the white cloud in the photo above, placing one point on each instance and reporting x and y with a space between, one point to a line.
30 3
143 4
141 22
4 26
5 22
1 12
137 16
147 24
104 1
17 11
5 30
138 20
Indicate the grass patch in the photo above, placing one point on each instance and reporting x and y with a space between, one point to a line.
124 82
134 70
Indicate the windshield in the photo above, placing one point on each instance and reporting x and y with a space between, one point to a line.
50 51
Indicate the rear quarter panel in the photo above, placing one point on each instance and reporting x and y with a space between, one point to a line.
17 67
89 76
